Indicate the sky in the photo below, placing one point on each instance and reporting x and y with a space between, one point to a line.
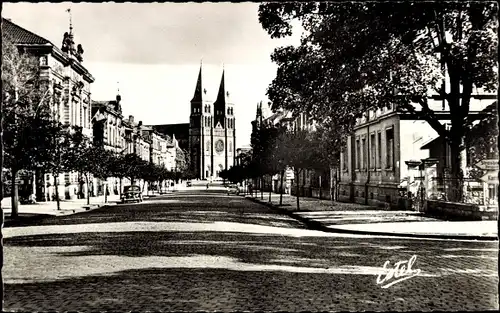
152 53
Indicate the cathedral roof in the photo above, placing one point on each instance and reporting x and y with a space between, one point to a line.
223 95
198 92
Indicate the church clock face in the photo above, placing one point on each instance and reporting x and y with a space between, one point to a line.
219 146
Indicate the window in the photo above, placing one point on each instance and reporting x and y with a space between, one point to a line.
344 156
389 143
365 154
372 151
208 146
230 147
358 154
379 150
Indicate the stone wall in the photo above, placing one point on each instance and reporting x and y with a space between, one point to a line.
459 211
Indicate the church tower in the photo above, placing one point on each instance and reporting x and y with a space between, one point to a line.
224 132
200 131
212 133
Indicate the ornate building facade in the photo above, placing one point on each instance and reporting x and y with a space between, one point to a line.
210 135
69 83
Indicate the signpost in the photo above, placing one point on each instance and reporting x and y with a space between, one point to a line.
491 177
488 165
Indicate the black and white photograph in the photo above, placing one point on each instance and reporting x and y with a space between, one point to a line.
249 156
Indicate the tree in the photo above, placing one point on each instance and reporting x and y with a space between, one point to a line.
103 162
163 174
182 162
328 142
482 141
26 114
301 153
58 157
151 173
118 168
354 57
133 165
83 157
265 151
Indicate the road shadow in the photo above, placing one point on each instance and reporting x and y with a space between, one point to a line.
229 290
186 208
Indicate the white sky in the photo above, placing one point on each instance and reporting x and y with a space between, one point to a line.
154 50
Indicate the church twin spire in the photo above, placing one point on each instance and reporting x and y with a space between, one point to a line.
200 92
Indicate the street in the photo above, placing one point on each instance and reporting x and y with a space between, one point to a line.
205 250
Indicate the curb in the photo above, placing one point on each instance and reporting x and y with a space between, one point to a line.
26 220
314 225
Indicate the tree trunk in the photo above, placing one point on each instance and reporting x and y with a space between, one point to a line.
333 185
270 188
281 190
106 192
455 193
261 189
14 197
297 189
88 188
56 186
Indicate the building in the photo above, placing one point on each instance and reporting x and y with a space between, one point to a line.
240 154
108 131
210 136
107 124
172 146
69 81
377 165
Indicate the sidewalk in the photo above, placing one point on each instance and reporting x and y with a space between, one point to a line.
66 206
362 219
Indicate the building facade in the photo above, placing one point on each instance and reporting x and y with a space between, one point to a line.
376 166
212 133
210 136
69 83
107 124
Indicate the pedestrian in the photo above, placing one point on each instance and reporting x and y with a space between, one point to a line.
207 186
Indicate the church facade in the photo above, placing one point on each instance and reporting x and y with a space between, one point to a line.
210 136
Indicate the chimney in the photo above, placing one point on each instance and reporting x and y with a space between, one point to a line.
131 119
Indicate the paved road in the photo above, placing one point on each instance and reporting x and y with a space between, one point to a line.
204 250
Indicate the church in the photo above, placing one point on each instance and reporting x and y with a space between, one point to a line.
210 135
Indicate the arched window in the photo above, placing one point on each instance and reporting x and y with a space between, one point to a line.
208 146
230 147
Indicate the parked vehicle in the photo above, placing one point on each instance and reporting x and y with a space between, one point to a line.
131 194
188 184
232 189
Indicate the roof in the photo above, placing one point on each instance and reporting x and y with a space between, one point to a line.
222 95
181 131
430 142
20 35
198 92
